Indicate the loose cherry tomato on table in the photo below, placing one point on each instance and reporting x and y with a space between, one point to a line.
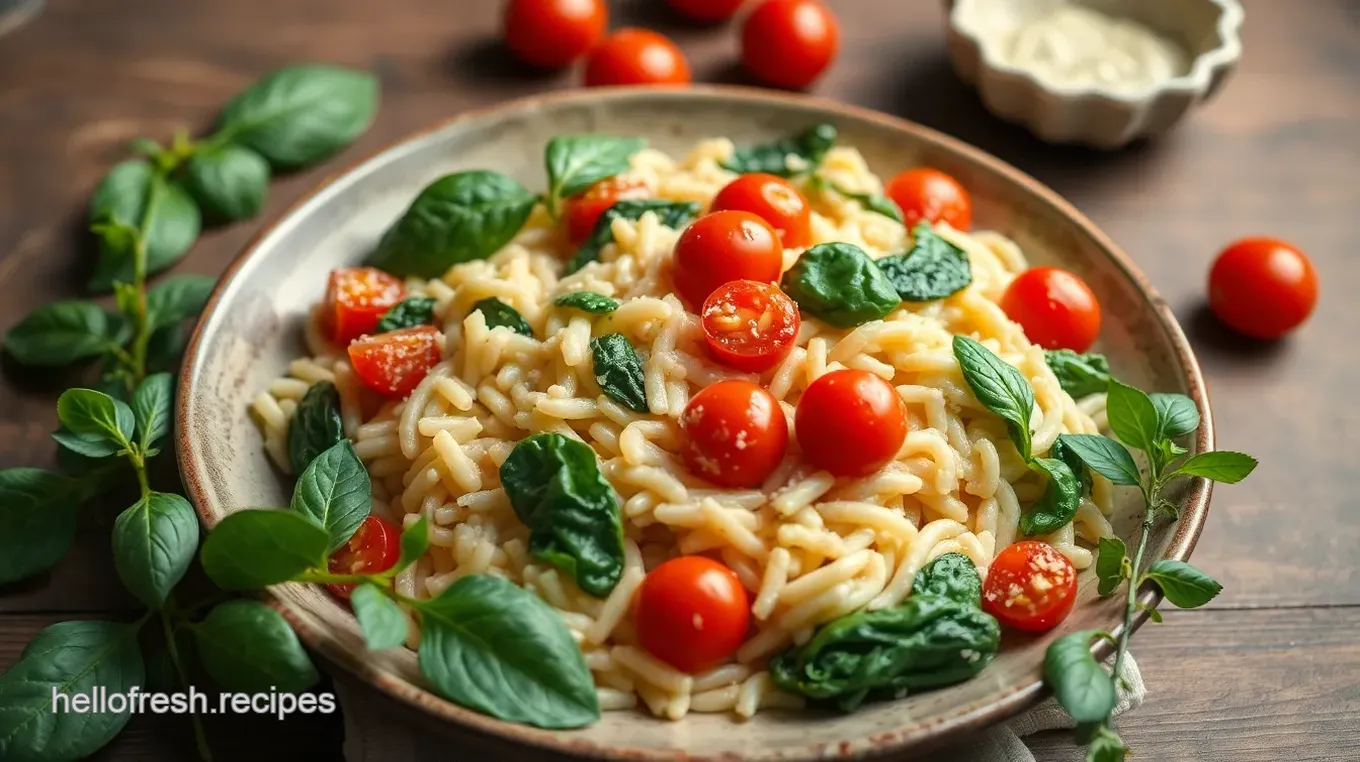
707 11
375 547
356 298
722 247
553 33
1055 307
583 210
394 363
774 200
789 43
1030 586
734 433
749 325
692 613
850 422
1262 287
636 57
931 195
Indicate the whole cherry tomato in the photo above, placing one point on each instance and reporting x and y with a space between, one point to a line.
1055 307
356 299
374 547
1262 287
749 325
692 613
850 422
583 210
722 247
1030 586
636 57
789 43
773 199
931 195
734 433
553 33
394 363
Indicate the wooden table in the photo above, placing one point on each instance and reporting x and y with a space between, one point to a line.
1270 670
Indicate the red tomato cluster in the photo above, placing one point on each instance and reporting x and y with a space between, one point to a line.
391 363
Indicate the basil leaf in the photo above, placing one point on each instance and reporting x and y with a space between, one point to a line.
999 387
933 269
457 218
808 148
499 314
1106 746
96 418
872 202
177 298
316 426
1056 507
1223 466
37 520
415 540
952 576
1184 585
840 284
1132 416
1083 688
495 648
301 114
1105 456
1079 375
69 658
153 543
556 488
1074 463
673 214
61 333
587 301
1176 415
618 371
1110 564
135 197
164 349
248 647
408 313
335 491
151 408
576 162
228 181
380 619
250 549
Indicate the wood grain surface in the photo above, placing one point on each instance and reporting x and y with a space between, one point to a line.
1267 672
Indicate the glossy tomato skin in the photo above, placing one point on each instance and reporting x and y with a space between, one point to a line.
583 210
394 363
734 434
1055 307
774 200
375 547
706 11
1262 287
1030 586
552 34
850 422
356 298
749 325
721 247
692 613
636 57
789 43
931 195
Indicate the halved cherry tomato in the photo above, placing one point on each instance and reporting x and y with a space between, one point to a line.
749 325
374 547
774 200
1030 586
692 613
636 57
394 363
583 210
1055 307
722 247
707 11
553 33
1262 287
850 422
789 43
356 298
734 433
931 195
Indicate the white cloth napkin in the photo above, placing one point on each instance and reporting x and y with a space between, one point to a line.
375 736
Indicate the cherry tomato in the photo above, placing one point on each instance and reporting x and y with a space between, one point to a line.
774 200
850 422
636 57
375 547
931 195
583 210
722 247
789 43
393 363
1262 287
734 433
356 298
553 33
749 325
1055 307
707 11
1030 586
691 613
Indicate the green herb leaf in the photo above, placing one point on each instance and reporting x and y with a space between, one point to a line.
415 540
96 417
301 114
177 298
408 313
61 333
618 371
1152 613
1083 687
499 314
1079 374
153 543
152 408
872 202
164 349
673 214
228 181
1075 464
1223 466
587 301
457 218
1132 416
1110 567
495 648
37 521
1176 415
1105 456
933 269
380 619
576 162
840 284
1184 585
250 549
807 148
336 492
248 647
952 576
316 426
999 387
1105 746
135 197
85 448
1056 507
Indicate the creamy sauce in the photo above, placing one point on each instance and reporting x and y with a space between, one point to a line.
1075 46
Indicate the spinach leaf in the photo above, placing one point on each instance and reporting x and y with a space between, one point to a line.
229 181
1176 415
1183 584
1079 374
1080 684
933 269
134 196
1063 452
336 492
587 301
999 387
1110 564
316 425
1056 507
61 333
495 648
618 371
251 549
301 114
556 488
808 148
870 201
380 618
576 162
408 313
457 218
498 313
95 421
37 521
177 298
952 576
840 284
1105 456
415 540
672 214
248 647
1224 466
153 543
152 408
1132 415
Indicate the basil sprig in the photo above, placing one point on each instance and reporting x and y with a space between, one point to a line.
933 269
618 371
576 162
807 148
672 214
840 284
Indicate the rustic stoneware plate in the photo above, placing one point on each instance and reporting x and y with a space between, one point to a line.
253 327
